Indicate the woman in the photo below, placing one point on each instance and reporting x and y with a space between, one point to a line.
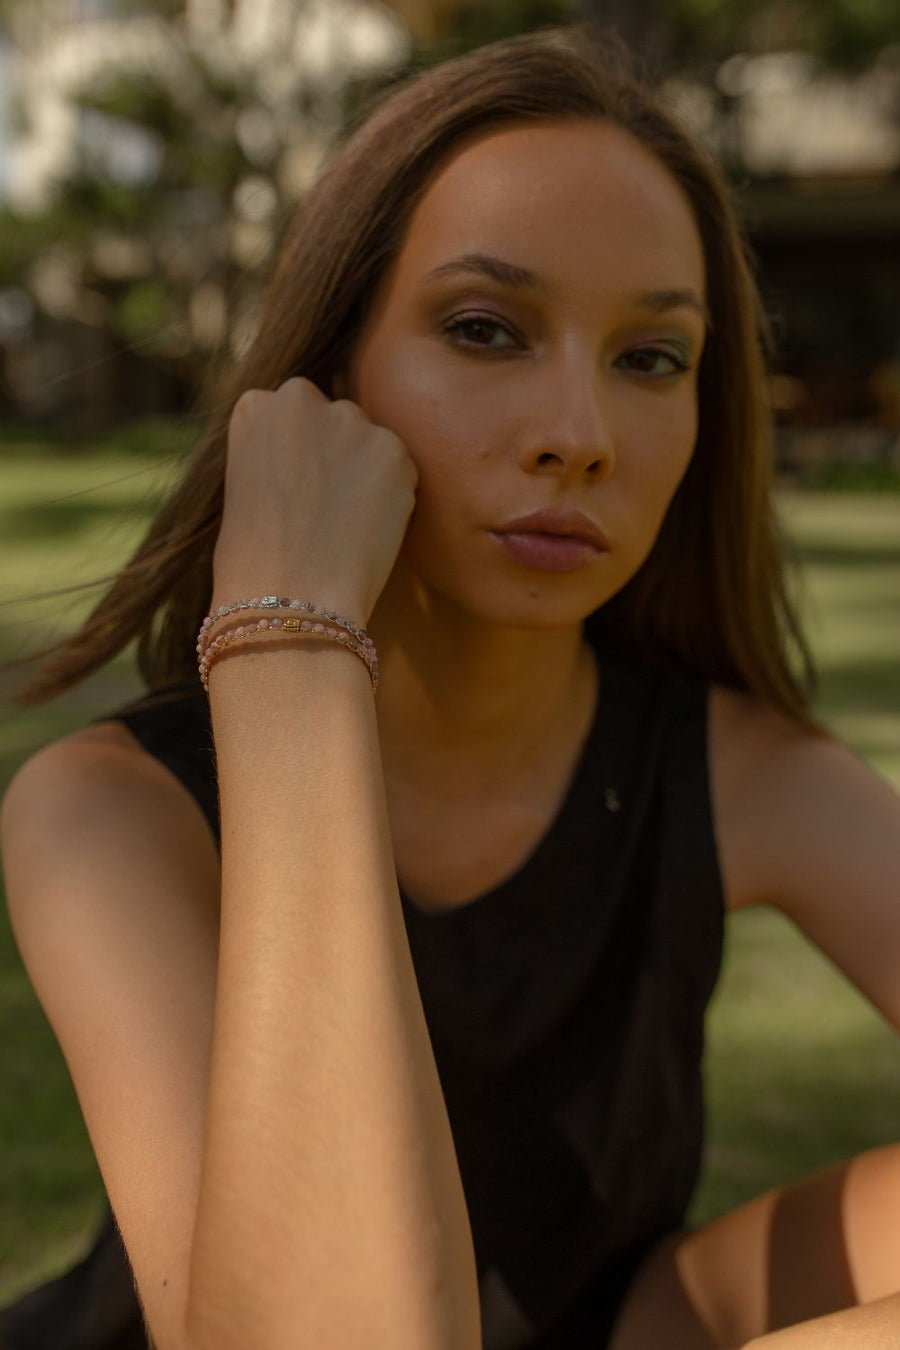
418 1064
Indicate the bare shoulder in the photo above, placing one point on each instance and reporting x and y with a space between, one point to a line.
784 797
805 825
91 808
749 727
96 831
90 755
103 747
113 893
97 773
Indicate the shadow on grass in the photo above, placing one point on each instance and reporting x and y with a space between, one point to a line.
168 436
851 556
868 685
53 520
787 1113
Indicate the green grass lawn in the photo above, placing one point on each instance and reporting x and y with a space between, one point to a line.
801 1070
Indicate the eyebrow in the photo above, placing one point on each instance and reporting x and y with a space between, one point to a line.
523 279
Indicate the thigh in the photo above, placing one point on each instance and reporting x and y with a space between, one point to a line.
800 1251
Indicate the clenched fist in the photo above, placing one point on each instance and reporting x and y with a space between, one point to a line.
317 500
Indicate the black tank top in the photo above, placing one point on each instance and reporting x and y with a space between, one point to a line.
565 1007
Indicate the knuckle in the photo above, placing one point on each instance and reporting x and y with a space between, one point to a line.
245 405
299 386
349 412
392 443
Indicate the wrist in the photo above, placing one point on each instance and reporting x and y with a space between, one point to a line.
323 598
266 616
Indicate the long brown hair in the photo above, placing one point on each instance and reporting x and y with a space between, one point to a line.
711 596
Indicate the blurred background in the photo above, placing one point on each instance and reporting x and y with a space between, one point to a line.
151 150
149 156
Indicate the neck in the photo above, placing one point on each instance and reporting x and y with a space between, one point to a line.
464 701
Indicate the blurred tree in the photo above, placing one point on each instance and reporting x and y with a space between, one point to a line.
184 132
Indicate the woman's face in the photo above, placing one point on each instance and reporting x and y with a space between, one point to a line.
535 345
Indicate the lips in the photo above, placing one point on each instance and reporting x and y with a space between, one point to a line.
560 524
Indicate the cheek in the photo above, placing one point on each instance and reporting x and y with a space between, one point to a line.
443 434
677 467
688 443
397 390
668 484
673 437
661 448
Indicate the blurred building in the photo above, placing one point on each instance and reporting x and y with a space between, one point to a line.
816 159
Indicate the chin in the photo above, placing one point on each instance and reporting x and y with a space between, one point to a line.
533 609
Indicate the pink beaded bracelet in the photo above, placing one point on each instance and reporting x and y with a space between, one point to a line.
340 630
273 602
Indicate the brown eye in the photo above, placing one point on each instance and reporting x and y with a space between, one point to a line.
656 361
480 330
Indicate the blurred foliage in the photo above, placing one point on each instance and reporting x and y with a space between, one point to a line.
23 238
474 24
143 309
841 477
148 232
168 9
696 36
846 34
138 98
88 198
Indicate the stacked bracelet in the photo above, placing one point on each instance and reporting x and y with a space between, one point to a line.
337 629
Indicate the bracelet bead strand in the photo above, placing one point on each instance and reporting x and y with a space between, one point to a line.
339 629
273 602
232 635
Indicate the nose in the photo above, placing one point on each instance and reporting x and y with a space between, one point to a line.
568 431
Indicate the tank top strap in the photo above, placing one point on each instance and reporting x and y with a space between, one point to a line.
173 724
689 859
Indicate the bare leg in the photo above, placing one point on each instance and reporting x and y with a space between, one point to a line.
824 1243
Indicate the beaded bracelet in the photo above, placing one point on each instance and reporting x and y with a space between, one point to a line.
355 639
317 630
273 602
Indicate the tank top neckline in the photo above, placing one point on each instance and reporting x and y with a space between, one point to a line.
597 767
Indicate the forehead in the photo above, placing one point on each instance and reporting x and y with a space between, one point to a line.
564 198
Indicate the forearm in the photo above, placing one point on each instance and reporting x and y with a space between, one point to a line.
871 1326
331 1210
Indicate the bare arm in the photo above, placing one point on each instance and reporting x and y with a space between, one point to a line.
247 1041
331 1210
